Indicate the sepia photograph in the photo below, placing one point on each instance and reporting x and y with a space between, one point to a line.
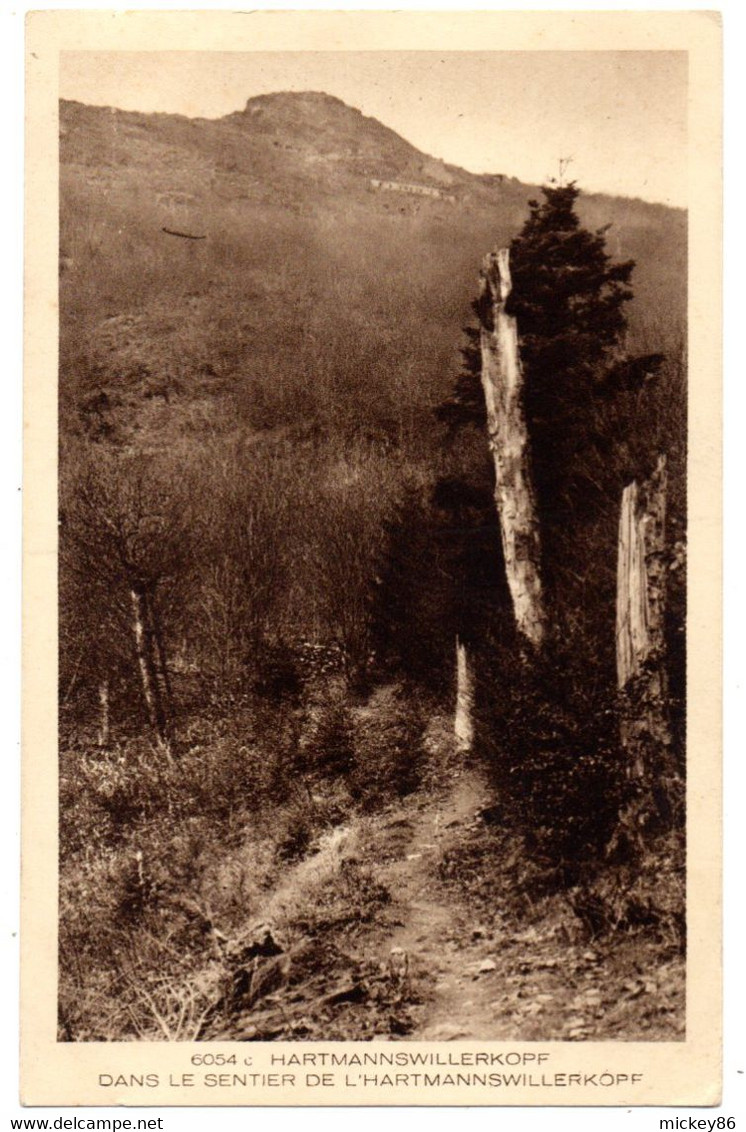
372 497
372 563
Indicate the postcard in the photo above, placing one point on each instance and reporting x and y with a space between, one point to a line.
372 559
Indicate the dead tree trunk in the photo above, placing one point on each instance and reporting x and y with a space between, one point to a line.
103 703
640 627
159 654
502 382
464 722
641 574
144 645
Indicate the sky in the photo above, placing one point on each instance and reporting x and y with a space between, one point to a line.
620 115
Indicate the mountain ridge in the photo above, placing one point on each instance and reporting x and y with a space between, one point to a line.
275 110
309 210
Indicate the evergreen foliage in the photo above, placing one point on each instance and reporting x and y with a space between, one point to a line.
567 294
581 397
465 405
568 298
597 419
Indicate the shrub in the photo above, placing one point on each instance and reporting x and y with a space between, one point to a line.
329 746
389 751
649 897
554 753
350 898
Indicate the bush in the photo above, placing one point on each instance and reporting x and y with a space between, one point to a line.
389 751
650 897
350 898
554 753
329 748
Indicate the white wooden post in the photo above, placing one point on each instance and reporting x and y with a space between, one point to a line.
464 722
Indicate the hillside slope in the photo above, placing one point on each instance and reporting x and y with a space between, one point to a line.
322 231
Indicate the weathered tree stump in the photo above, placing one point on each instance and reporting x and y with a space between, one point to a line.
464 721
146 658
640 620
502 382
104 713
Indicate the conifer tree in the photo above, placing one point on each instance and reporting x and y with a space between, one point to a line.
550 728
568 297
567 294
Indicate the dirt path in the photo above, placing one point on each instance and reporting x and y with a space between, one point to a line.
437 937
459 954
481 978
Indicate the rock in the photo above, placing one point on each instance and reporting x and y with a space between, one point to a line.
479 932
531 935
531 1009
487 965
259 941
446 1032
398 963
348 992
266 976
